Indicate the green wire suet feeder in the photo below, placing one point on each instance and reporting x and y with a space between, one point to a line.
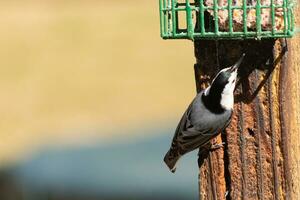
221 19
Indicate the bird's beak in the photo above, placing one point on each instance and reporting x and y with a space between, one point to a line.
237 64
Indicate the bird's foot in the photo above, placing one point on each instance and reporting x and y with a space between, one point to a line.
216 146
210 147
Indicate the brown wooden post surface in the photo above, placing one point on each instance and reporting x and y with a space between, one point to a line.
293 100
260 159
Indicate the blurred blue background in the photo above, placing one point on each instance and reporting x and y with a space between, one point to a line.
90 97
118 170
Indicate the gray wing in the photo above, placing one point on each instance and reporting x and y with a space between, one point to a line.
190 135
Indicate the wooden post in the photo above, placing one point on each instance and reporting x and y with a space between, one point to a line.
261 157
293 103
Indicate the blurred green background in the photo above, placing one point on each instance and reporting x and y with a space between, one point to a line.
81 78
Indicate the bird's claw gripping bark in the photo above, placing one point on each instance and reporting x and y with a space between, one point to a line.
216 146
210 147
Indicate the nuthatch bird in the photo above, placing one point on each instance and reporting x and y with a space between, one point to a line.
209 113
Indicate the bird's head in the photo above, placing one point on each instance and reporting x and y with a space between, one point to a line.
222 86
225 80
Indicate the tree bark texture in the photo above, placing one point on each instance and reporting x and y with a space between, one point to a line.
260 158
293 102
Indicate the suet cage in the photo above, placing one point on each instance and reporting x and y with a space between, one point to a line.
221 19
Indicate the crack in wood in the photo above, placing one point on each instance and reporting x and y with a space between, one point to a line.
273 135
260 130
283 112
242 149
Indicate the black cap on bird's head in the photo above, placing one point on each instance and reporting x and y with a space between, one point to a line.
222 87
228 74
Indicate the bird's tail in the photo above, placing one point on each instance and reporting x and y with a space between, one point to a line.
171 159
